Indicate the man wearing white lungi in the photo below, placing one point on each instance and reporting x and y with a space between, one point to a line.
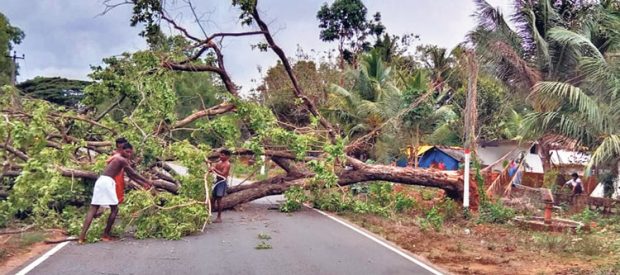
104 193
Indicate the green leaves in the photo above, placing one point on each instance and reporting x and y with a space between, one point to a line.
163 216
295 197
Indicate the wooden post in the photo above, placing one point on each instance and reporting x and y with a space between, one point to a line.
471 119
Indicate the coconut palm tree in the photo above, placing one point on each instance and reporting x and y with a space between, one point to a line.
561 55
370 102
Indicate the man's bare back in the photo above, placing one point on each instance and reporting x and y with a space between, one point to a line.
115 166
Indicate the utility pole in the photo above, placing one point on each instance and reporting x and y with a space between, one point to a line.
14 58
471 117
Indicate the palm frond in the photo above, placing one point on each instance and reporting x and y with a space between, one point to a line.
578 41
548 92
540 46
492 19
609 149
368 108
343 93
600 76
538 123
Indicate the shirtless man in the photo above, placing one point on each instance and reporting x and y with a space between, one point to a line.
104 192
221 171
120 177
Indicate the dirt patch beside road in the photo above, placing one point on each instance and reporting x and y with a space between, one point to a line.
467 248
17 249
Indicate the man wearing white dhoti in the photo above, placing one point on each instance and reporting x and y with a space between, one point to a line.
104 193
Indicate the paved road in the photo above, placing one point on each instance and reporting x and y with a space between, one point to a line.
303 243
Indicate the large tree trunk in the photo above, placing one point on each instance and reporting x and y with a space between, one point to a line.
450 181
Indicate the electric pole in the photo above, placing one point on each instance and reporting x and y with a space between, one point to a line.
14 58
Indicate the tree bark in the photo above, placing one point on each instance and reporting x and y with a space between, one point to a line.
450 181
215 110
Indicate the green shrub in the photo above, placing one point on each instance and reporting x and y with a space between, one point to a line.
6 213
362 207
587 216
495 213
380 193
427 195
331 200
295 197
403 203
432 218
448 208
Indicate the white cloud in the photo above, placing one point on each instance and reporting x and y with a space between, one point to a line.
64 37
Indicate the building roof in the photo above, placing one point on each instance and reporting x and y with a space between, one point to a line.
569 158
456 153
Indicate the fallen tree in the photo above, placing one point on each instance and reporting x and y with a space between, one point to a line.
47 148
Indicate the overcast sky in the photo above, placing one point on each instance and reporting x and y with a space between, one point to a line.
64 38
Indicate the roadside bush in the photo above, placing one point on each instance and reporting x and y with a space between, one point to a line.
403 203
331 200
495 213
367 207
6 213
295 197
449 208
427 195
380 193
587 216
433 218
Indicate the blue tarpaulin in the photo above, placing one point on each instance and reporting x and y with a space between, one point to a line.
436 156
402 162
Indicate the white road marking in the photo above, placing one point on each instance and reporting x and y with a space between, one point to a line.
384 244
41 259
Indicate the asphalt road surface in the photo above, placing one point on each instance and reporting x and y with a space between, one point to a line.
305 242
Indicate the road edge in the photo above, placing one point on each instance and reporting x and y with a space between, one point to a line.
41 259
385 243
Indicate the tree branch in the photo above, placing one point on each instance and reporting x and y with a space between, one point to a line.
219 109
15 151
233 34
110 108
191 67
297 89
179 28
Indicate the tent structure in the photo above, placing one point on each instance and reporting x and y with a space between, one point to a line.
435 155
599 191
489 152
